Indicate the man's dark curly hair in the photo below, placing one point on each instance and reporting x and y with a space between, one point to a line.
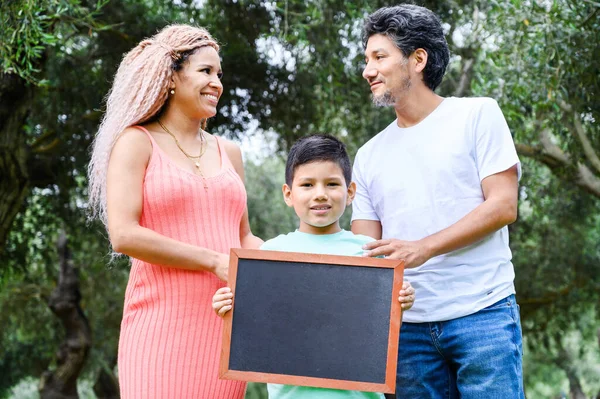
411 27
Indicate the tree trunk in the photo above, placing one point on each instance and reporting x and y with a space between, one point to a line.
565 361
598 333
15 96
576 392
107 384
61 383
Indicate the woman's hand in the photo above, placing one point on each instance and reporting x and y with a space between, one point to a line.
222 301
221 268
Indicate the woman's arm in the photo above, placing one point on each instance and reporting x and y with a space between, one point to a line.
126 169
247 239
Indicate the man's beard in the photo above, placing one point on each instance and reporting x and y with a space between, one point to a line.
384 100
387 99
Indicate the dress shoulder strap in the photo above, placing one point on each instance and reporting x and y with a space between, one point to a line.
225 161
143 129
156 150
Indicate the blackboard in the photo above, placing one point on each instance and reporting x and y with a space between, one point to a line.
318 320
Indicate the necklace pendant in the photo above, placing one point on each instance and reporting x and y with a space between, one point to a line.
197 165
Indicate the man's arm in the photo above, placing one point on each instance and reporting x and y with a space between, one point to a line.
498 209
371 228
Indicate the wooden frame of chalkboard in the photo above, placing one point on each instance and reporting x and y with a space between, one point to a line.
303 319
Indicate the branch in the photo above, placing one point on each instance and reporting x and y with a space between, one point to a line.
40 149
588 180
465 78
589 18
552 149
594 3
468 54
554 158
551 298
588 149
38 145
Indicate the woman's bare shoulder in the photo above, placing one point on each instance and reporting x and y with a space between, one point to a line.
133 142
134 136
232 148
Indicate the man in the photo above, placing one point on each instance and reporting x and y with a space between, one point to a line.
437 188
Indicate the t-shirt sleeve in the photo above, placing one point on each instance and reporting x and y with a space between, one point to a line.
362 207
494 146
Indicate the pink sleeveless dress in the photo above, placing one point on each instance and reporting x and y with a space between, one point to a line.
170 339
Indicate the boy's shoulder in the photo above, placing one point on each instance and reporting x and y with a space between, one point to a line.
275 243
296 240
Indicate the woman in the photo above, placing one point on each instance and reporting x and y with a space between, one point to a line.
173 199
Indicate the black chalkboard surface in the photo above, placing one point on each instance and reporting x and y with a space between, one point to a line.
319 320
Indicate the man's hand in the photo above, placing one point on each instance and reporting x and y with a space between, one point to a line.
413 253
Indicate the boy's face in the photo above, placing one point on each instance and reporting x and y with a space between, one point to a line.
319 196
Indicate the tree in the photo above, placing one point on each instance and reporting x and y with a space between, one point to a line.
549 98
46 128
65 304
31 31
269 215
549 95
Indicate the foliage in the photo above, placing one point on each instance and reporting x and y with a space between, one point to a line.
268 213
556 254
29 276
29 30
545 380
28 389
62 121
256 391
28 342
550 96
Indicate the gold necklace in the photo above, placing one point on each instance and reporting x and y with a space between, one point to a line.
194 158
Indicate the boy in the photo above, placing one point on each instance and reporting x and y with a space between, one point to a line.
318 186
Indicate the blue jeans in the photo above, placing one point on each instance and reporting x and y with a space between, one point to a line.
472 357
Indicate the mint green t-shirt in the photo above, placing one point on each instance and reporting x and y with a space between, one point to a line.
342 243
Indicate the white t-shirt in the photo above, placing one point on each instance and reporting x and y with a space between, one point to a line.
419 180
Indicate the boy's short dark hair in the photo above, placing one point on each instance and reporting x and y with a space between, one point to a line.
411 27
317 148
